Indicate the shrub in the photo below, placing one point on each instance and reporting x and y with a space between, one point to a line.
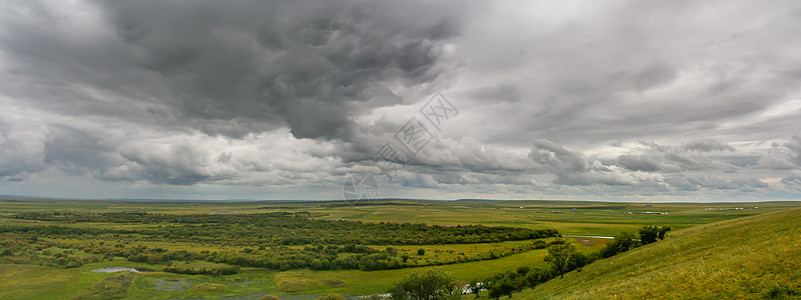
431 284
648 234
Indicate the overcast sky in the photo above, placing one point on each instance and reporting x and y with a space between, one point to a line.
608 100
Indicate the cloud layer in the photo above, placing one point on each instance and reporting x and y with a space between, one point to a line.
285 99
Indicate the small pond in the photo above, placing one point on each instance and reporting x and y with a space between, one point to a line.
115 269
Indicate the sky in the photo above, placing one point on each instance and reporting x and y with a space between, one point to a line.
589 100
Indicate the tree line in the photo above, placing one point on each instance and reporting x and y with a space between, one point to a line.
280 228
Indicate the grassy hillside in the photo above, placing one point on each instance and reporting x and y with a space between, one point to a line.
752 257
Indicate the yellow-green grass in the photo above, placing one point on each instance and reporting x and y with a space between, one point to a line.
589 218
37 282
737 259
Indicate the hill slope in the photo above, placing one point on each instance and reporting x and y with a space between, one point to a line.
753 257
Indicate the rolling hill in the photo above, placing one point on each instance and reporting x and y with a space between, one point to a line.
747 258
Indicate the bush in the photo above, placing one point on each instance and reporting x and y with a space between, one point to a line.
577 261
431 284
332 297
537 276
622 243
421 252
504 284
648 234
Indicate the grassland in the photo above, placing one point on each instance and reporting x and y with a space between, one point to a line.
26 281
750 258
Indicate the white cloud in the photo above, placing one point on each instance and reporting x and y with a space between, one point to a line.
689 100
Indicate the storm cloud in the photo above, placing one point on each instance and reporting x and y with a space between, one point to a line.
284 99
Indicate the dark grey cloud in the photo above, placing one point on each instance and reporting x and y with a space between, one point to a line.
207 64
217 99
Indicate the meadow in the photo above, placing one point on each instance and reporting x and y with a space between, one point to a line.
757 257
51 247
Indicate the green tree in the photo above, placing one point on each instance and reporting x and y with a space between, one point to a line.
648 234
431 284
559 255
626 241
577 261
421 252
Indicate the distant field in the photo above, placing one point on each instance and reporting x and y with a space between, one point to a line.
25 280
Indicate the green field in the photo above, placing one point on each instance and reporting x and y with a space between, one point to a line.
25 274
750 258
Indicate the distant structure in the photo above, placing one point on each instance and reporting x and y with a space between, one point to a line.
645 213
649 204
731 208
